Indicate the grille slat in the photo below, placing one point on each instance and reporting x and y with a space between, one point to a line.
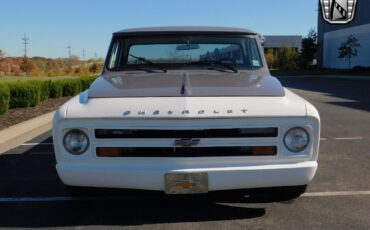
195 133
186 151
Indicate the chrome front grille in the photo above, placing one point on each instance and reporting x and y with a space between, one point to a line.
194 133
186 142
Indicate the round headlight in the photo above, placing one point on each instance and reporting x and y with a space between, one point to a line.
76 141
296 139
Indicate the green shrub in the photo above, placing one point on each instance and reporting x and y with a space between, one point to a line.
44 89
288 58
56 89
4 98
86 82
71 87
24 94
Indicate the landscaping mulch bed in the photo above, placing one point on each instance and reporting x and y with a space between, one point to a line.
15 116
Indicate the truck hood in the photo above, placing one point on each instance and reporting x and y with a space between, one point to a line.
199 83
83 107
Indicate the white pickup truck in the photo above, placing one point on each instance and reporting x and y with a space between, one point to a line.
187 110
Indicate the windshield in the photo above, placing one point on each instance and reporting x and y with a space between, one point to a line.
171 52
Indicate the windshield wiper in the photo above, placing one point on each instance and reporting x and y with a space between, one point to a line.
212 62
149 62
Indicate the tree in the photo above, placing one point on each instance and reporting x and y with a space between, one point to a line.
288 58
75 60
3 66
26 65
50 65
96 67
309 49
348 49
93 68
271 59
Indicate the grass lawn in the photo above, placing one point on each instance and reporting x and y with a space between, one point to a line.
24 78
278 72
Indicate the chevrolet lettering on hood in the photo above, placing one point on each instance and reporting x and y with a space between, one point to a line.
187 110
183 112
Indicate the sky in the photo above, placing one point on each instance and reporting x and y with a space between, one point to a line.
88 24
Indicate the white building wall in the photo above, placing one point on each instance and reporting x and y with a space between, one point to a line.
332 40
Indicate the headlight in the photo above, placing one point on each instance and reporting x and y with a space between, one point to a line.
296 139
76 141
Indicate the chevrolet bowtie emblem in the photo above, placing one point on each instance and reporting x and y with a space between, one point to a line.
187 142
186 184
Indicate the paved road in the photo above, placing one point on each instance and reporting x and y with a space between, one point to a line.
344 167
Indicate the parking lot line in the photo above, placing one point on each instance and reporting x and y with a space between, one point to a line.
348 138
55 198
33 144
338 193
35 199
341 138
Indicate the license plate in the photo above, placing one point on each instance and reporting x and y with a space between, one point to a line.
186 183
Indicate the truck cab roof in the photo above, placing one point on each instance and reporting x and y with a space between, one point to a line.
184 30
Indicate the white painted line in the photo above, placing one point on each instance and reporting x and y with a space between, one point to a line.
35 199
33 144
55 198
339 193
323 139
348 138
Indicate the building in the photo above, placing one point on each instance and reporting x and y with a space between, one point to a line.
276 43
331 36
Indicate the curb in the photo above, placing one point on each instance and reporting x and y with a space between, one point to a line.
361 78
18 134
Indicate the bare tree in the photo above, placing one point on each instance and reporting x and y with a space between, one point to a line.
348 49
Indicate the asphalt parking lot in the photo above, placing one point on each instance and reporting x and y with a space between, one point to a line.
31 195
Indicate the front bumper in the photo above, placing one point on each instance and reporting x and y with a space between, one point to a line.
132 176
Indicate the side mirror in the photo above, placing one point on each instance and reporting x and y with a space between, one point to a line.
262 39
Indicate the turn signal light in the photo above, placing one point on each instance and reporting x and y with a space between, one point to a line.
264 150
109 151
185 151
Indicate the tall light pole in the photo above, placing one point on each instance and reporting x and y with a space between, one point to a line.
25 61
25 43
83 54
69 54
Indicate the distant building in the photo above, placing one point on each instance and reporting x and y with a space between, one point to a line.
331 36
276 43
231 52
